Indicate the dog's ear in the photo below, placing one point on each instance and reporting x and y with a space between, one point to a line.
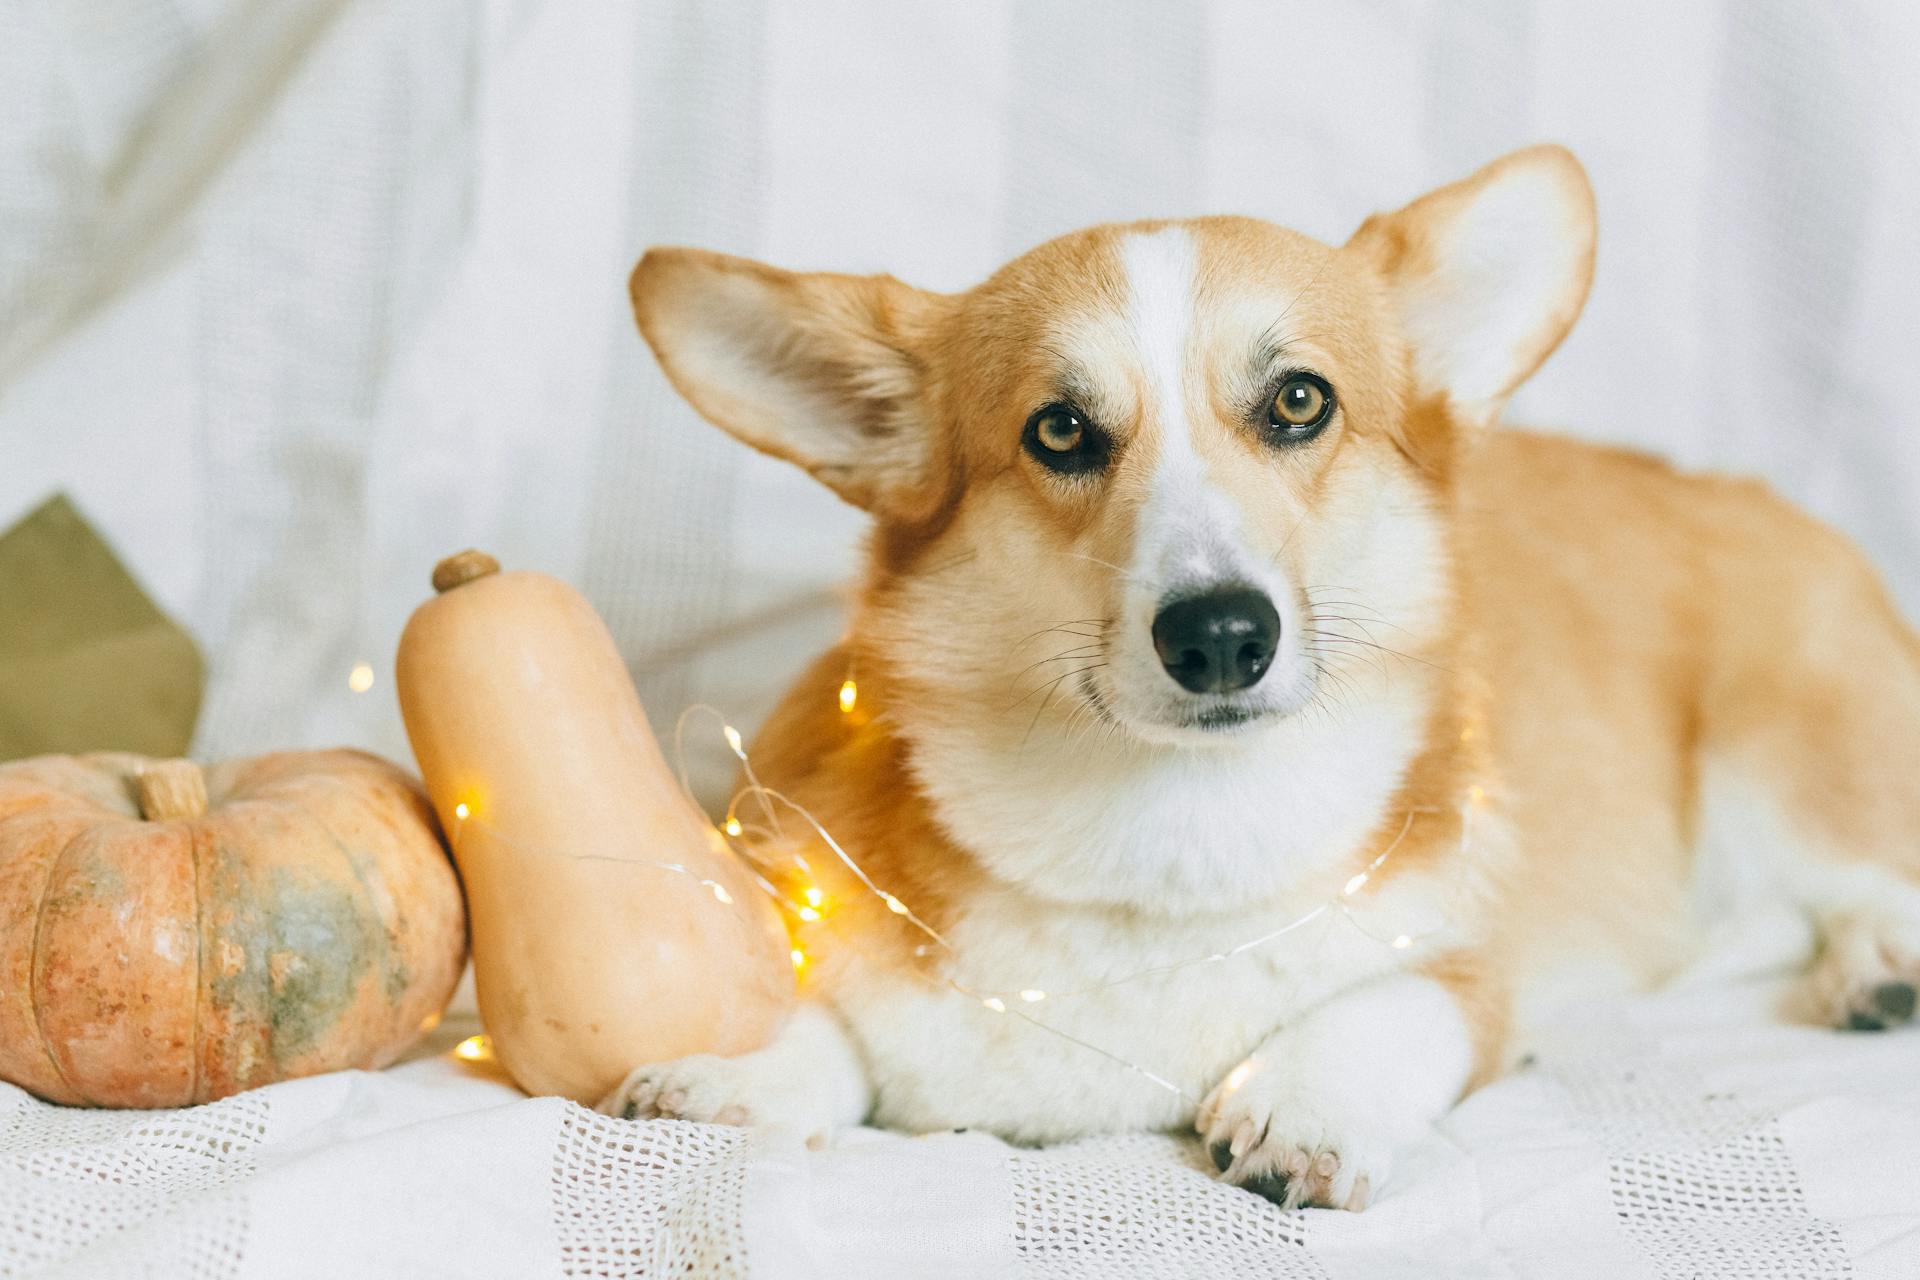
825 371
1488 274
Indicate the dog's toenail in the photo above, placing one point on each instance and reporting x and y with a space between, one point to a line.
1858 1021
1268 1186
631 1111
1895 1000
1222 1154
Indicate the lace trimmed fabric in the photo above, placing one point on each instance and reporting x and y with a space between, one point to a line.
1681 1136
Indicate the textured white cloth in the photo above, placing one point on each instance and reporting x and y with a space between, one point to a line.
298 295
1679 1136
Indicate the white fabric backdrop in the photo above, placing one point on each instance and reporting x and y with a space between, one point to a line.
297 295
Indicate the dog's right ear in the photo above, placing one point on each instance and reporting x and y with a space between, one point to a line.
825 371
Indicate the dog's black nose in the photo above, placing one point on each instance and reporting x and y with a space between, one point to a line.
1218 642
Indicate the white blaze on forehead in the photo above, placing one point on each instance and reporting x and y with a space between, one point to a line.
1160 272
1180 537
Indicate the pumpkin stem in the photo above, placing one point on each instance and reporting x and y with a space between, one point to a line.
463 567
170 790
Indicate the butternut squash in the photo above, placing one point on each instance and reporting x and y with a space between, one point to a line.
590 956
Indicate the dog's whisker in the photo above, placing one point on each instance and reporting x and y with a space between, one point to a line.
1053 686
1081 653
1068 628
1370 659
1150 584
1363 625
1035 692
1397 653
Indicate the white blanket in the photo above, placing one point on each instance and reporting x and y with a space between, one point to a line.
1681 1135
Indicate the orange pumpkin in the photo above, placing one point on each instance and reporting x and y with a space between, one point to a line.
170 935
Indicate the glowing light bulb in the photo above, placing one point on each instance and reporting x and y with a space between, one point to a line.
732 827
894 904
360 679
813 896
808 914
474 1049
799 958
1355 885
733 740
461 811
1402 942
1033 995
849 693
995 1003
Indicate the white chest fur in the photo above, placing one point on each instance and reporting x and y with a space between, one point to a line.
1121 871
1190 832
1123 999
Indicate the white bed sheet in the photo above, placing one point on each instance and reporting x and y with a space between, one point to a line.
1678 1135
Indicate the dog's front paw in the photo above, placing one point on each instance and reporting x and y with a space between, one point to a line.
703 1088
757 1089
1295 1144
809 1079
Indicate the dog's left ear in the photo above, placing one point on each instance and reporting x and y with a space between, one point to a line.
826 371
1488 274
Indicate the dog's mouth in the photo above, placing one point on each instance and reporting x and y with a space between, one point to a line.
1225 718
1220 719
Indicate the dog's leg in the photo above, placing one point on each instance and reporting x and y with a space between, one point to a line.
1811 743
1315 1115
810 1079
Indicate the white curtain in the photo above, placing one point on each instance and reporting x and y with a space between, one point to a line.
298 295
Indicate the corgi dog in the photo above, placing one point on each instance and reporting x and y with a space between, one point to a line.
1251 733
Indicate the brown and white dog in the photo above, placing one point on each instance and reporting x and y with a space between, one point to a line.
1200 578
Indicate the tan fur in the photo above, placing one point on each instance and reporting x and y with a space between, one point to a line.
1585 634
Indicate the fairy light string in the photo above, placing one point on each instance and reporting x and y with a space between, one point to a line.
751 841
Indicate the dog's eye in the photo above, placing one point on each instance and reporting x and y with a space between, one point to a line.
1058 431
1300 407
1061 439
